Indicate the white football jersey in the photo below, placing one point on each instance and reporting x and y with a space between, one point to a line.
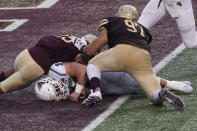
58 72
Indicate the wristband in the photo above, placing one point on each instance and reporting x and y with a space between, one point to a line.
78 88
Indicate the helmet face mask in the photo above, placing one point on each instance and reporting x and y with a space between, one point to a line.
48 89
128 11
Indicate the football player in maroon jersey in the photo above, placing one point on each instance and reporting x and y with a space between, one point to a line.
34 62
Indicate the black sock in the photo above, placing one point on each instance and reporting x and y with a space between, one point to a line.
2 76
94 83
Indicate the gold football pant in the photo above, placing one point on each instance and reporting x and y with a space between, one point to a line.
26 72
130 59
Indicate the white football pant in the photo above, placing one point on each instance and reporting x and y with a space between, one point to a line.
183 15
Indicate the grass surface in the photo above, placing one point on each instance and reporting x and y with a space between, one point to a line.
138 114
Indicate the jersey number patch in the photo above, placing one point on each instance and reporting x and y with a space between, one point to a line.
132 27
66 38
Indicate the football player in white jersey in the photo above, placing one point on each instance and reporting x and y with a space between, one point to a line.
112 83
72 74
180 10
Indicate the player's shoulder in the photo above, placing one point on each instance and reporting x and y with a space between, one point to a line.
105 22
57 69
66 36
75 65
109 19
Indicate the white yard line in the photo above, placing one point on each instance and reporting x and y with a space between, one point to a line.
47 3
44 4
169 57
116 104
16 23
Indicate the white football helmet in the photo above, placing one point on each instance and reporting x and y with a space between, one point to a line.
49 89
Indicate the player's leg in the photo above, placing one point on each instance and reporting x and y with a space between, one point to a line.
114 60
148 82
110 60
151 14
139 66
119 83
182 86
6 74
104 61
27 70
187 28
94 76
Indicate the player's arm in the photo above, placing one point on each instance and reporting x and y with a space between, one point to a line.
79 72
97 44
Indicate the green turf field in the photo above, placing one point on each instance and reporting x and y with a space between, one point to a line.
138 114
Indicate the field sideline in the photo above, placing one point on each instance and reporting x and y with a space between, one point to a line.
138 113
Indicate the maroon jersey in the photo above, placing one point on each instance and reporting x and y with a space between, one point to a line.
50 50
124 31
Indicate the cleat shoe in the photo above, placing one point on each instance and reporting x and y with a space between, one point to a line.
171 98
93 99
187 88
187 82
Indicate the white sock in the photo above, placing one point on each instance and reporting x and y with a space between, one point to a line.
157 100
156 95
175 85
93 71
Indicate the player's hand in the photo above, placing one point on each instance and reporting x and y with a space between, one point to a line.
74 96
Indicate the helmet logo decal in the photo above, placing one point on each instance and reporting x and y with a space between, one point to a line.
40 84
